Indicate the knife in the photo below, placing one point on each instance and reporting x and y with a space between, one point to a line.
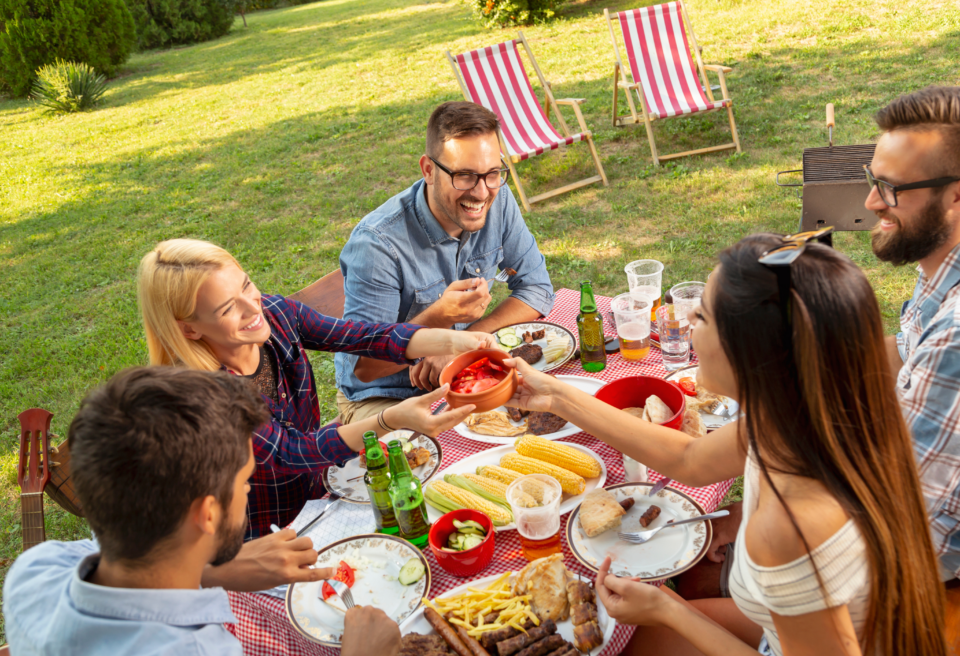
334 499
664 482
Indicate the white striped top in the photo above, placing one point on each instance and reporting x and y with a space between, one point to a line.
792 589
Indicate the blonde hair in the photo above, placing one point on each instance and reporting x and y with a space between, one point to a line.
168 281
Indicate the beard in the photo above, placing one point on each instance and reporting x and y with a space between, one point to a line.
229 541
928 232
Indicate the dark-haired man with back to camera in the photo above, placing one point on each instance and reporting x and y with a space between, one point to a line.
429 255
161 462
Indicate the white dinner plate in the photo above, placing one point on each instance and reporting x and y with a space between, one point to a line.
532 326
667 554
589 385
712 422
347 481
417 623
376 585
492 457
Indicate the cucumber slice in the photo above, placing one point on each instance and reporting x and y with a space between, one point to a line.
471 524
510 341
503 332
472 541
411 572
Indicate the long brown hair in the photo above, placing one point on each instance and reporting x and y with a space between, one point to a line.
820 402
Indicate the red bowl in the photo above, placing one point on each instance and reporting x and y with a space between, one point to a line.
461 563
632 392
488 399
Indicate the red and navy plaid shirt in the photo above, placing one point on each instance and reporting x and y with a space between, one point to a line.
293 448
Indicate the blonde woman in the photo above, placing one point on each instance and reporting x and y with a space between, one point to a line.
202 311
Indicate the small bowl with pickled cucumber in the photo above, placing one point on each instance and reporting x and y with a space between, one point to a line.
462 541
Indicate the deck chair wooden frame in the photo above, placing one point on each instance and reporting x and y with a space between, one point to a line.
516 104
675 89
325 295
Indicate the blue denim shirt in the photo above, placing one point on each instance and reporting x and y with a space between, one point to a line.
399 260
51 610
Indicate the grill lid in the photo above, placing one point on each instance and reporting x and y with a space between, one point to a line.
837 163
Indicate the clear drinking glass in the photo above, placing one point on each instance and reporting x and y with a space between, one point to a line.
674 343
633 471
537 523
687 296
645 277
632 316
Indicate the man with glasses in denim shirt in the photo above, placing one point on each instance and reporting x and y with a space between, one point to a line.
915 191
429 254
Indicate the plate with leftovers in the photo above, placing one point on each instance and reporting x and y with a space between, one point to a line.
544 345
423 452
592 531
715 410
480 481
503 425
543 608
388 572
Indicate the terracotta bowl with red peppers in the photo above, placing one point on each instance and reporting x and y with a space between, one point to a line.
479 377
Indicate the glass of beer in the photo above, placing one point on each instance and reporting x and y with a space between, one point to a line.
631 312
645 277
535 502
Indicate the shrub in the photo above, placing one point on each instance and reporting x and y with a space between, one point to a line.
508 13
162 23
64 87
34 33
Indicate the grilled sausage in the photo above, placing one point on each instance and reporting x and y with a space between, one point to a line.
516 643
545 646
475 648
627 503
446 632
651 514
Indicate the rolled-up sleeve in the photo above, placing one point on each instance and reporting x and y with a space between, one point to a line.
532 283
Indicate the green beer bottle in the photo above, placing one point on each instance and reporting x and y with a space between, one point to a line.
593 354
377 480
407 498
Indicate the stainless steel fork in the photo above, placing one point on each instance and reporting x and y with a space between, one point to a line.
342 591
503 276
643 536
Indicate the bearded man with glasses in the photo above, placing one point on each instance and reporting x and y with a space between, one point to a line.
915 191
429 255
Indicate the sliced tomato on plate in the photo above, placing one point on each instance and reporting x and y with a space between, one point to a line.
346 574
688 386
327 591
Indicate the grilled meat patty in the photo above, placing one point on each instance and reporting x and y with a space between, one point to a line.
529 353
543 423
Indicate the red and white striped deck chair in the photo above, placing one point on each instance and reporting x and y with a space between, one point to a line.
664 75
495 78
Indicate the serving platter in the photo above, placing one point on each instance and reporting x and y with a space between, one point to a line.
589 385
377 560
665 555
417 623
347 481
533 326
712 422
492 457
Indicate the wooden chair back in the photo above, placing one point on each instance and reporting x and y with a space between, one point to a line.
326 295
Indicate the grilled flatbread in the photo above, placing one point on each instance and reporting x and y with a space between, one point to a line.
656 411
494 423
600 512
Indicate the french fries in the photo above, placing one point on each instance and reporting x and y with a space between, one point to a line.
470 608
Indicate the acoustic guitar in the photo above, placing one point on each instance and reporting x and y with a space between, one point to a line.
33 472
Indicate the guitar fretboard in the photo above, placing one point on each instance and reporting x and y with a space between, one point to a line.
31 504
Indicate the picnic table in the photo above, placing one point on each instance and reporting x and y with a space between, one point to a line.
263 628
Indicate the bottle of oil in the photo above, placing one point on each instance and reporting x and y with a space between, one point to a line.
377 480
593 354
407 498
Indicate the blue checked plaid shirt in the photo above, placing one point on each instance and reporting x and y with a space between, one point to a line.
293 448
929 389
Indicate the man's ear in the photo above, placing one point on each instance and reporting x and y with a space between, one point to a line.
188 330
427 168
205 513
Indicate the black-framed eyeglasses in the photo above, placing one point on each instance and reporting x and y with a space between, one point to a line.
465 180
888 192
780 259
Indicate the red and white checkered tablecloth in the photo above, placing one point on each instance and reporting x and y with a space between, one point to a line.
263 628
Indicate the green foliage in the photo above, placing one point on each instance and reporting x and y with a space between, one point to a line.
162 23
64 87
509 13
34 33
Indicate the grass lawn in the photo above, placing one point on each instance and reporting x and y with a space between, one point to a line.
276 139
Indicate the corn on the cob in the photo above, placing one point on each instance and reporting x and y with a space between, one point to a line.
532 487
494 487
464 499
561 455
570 483
496 491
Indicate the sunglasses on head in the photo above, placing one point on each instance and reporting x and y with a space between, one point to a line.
781 258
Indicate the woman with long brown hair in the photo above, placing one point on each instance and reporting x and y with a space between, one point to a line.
834 554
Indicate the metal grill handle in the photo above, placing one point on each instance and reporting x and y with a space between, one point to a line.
830 123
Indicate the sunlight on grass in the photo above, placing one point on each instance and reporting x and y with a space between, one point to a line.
276 139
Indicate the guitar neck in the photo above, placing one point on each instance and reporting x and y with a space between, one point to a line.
31 508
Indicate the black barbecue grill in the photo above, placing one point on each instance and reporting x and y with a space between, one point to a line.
834 185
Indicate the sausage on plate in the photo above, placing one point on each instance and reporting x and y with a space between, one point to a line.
446 632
